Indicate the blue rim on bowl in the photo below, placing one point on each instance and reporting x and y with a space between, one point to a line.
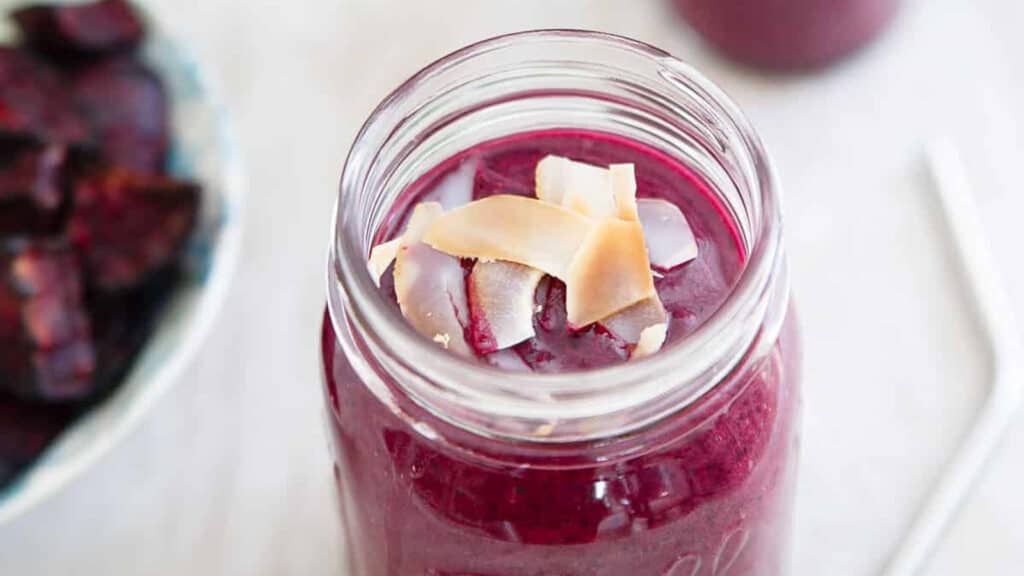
203 149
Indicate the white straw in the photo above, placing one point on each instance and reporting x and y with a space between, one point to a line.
995 316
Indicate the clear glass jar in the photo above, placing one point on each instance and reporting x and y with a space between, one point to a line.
679 464
788 34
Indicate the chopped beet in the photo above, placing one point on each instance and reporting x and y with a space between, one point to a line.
129 226
35 100
25 431
46 350
125 104
92 232
123 321
551 350
32 198
11 121
500 178
101 27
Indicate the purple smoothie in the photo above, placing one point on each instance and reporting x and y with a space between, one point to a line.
705 491
788 34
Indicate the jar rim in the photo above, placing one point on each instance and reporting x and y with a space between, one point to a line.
437 379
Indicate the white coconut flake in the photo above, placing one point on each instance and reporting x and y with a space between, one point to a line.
581 187
670 241
501 297
456 188
651 340
382 256
550 179
443 339
430 285
629 324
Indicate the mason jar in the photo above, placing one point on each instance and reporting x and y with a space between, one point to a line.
679 464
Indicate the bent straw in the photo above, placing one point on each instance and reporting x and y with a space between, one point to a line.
996 318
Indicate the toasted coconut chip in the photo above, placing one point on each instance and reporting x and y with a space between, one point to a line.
608 274
513 228
456 188
630 323
507 360
583 188
423 216
501 304
624 188
382 256
670 241
430 285
651 340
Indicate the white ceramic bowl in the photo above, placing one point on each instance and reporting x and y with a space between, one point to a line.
204 150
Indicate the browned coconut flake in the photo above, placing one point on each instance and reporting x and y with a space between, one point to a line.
515 229
608 274
624 187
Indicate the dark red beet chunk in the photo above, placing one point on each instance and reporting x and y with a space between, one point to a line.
512 174
555 345
32 197
35 100
11 122
25 431
91 231
125 105
122 322
129 226
46 347
97 28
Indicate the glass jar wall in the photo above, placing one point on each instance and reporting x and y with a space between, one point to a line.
679 464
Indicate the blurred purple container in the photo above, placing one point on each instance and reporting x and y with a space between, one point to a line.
788 34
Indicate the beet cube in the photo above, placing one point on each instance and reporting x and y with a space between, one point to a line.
35 100
510 173
32 198
126 107
46 350
100 27
11 121
25 431
122 323
128 226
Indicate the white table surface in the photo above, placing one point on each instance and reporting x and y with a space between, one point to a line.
230 474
